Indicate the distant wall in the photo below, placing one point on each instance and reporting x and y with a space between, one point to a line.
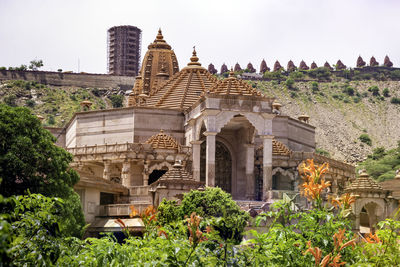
70 79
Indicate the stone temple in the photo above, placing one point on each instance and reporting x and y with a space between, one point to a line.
184 129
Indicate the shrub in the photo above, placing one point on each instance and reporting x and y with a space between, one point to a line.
296 75
322 152
314 87
10 100
374 89
96 92
3 68
395 100
356 99
348 90
116 100
289 83
385 92
30 103
51 120
365 139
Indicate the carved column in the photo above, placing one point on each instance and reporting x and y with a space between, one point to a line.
250 182
145 173
196 159
106 171
210 158
126 173
267 166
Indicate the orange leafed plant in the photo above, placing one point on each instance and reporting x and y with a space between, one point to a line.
314 184
195 234
372 238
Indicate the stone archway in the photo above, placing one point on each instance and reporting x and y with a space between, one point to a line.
223 166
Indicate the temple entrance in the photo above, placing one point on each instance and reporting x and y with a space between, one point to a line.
223 166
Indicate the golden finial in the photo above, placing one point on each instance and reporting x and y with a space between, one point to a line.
159 35
194 59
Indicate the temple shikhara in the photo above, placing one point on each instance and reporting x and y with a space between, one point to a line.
184 129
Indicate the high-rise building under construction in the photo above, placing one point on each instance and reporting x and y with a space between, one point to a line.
123 47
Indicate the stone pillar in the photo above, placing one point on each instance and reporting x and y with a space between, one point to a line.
210 158
145 173
267 166
196 159
250 182
106 171
126 174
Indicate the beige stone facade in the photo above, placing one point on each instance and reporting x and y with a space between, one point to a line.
187 131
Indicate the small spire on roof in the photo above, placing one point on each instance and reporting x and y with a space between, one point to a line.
194 59
231 73
159 35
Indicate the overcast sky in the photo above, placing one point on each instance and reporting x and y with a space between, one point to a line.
61 32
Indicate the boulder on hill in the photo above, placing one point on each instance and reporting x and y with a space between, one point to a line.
387 62
212 69
290 66
360 62
303 66
373 62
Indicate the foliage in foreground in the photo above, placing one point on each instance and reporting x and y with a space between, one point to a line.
29 160
320 236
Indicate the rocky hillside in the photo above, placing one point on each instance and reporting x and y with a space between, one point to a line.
56 104
352 118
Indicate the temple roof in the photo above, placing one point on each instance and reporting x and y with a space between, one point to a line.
159 64
364 183
183 89
163 141
278 148
176 172
233 86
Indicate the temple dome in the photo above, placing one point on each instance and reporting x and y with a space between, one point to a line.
163 141
183 89
233 86
278 148
364 184
159 64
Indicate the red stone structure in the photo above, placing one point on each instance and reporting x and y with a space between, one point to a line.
264 67
212 69
340 65
328 66
290 66
277 66
251 68
224 68
314 65
303 66
360 62
373 62
387 62
237 68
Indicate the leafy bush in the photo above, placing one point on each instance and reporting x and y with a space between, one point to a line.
289 83
374 89
395 100
365 139
296 75
30 103
349 90
10 100
30 160
314 86
322 152
51 120
116 100
386 92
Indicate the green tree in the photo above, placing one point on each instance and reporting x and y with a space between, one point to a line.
365 139
36 64
117 100
29 160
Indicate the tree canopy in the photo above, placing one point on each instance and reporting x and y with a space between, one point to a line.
30 161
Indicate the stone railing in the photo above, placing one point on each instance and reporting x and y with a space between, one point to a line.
118 148
109 148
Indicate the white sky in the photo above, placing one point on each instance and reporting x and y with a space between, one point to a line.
230 31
